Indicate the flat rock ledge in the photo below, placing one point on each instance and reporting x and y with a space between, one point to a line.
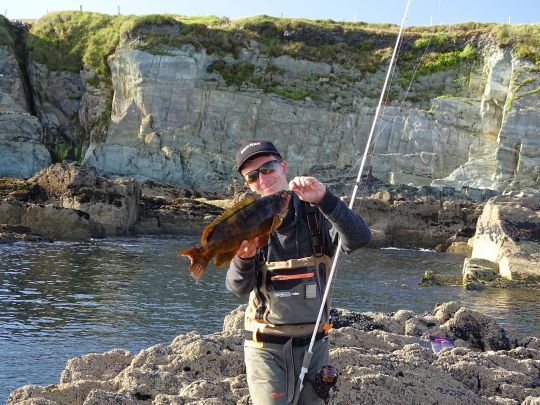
382 359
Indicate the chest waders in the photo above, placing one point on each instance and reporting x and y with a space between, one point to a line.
284 305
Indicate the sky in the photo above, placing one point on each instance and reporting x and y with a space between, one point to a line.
421 12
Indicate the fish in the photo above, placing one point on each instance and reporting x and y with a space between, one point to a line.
247 219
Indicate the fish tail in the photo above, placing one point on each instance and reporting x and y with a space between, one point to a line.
200 258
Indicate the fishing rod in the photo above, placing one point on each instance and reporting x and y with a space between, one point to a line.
309 353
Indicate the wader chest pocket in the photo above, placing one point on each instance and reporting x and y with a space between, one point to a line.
293 296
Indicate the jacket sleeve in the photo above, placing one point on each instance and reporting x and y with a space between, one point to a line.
351 228
241 276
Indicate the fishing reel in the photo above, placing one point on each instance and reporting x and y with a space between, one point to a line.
325 380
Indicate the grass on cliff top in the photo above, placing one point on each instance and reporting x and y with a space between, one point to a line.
524 38
67 40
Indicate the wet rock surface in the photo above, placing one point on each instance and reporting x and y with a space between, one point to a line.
70 201
380 357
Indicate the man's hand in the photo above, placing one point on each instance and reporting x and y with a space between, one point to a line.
308 189
248 248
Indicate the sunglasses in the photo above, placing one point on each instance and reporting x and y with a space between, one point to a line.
267 168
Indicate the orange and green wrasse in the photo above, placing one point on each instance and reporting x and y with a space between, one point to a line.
249 218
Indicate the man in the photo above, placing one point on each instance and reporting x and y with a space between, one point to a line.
286 277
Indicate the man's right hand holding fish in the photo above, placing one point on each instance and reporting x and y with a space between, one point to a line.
308 189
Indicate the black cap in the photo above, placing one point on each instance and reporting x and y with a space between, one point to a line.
252 148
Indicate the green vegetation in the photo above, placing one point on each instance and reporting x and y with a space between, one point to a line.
436 61
244 73
518 86
67 40
296 94
436 40
79 152
528 93
236 74
524 38
60 152
6 34
65 149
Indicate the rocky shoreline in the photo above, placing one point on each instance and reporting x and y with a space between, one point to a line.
97 206
380 357
498 235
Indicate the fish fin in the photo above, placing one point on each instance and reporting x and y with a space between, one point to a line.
276 223
223 258
225 215
263 240
200 257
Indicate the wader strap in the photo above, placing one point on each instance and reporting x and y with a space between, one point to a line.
261 301
288 356
313 216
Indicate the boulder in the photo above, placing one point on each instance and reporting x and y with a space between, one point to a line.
479 270
401 216
113 202
508 235
51 221
58 178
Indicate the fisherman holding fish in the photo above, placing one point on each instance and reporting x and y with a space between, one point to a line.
284 271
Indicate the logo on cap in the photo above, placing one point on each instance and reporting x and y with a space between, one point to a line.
249 146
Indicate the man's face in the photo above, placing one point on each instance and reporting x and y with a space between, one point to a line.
268 181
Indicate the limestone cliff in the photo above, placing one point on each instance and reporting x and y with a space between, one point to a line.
22 152
462 109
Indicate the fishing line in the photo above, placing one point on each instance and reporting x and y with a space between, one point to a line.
383 124
364 188
398 108
309 352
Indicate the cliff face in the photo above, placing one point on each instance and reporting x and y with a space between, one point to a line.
178 115
21 150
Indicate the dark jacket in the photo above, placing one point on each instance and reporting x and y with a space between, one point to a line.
292 239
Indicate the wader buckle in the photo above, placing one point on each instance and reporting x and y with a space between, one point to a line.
254 338
326 328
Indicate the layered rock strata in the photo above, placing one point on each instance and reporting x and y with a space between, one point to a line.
173 117
172 121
